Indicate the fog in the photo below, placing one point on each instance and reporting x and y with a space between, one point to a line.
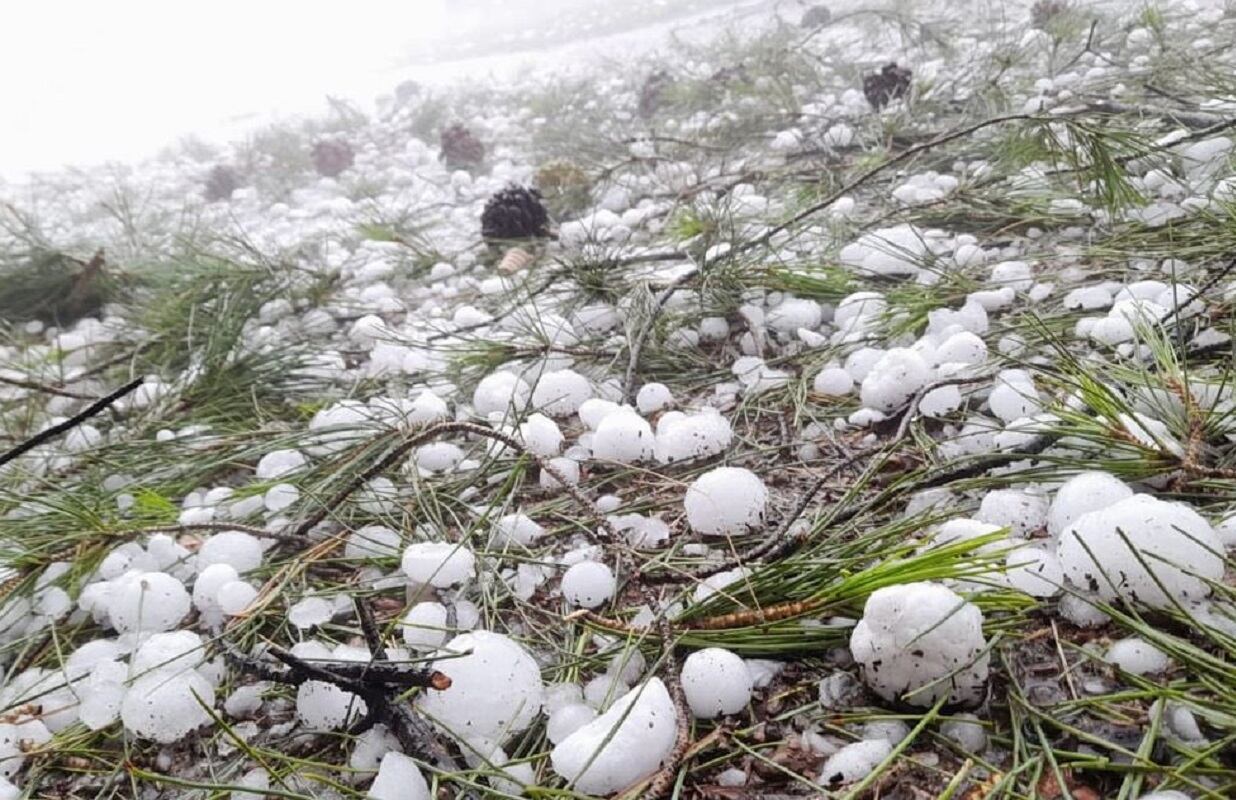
87 82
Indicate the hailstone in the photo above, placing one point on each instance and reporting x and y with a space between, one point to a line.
716 682
622 746
472 707
1142 549
588 584
922 640
439 564
726 501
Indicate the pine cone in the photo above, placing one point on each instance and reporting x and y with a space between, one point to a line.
890 83
651 93
332 156
220 183
1044 11
816 17
515 212
460 149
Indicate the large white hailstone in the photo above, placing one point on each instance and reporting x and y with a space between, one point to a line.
147 601
622 746
372 541
236 596
495 690
566 720
915 634
652 397
716 682
588 584
689 436
893 251
176 650
439 564
438 457
280 496
1035 571
310 612
854 762
498 392
1017 275
240 550
1136 656
324 706
894 380
427 407
1021 512
859 312
1081 494
1014 396
794 313
561 393
424 626
623 436
398 779
206 586
541 435
278 463
167 705
518 529
1169 794
962 348
1142 549
833 382
726 501
595 409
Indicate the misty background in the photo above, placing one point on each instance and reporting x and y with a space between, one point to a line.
87 82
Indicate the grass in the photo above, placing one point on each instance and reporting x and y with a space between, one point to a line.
241 386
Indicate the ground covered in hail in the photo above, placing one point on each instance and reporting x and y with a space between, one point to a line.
839 406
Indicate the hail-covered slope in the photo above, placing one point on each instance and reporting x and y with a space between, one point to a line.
881 419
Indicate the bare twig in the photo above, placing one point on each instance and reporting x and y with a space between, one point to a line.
92 410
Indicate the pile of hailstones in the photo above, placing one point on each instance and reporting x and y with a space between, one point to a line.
918 642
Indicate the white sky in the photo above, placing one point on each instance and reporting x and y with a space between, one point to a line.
96 80
89 81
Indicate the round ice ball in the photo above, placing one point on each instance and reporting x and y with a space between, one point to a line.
517 529
439 564
588 584
240 550
561 393
833 382
894 380
652 397
167 705
623 436
498 392
372 541
1136 656
424 626
472 707
726 501
147 601
1144 550
715 682
1083 493
568 719
921 640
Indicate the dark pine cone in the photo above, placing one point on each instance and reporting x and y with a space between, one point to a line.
1044 11
516 212
890 83
220 183
332 156
460 149
816 16
651 92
